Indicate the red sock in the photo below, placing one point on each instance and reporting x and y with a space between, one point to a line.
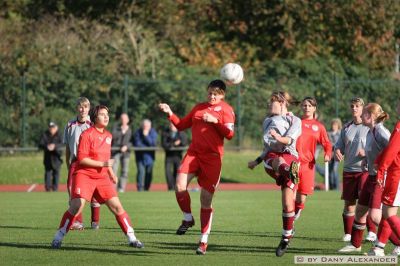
384 231
95 207
66 221
206 216
371 227
357 233
124 222
288 220
183 199
298 206
394 223
348 222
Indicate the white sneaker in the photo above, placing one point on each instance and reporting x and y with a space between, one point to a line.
349 248
77 226
396 251
371 237
95 226
375 251
347 238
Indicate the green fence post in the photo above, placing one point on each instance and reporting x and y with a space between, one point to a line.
126 82
238 117
337 95
23 106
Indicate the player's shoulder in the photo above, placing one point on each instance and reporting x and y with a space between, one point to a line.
88 132
348 124
72 122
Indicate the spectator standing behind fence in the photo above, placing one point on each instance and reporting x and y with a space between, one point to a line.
121 144
51 143
336 126
172 138
144 137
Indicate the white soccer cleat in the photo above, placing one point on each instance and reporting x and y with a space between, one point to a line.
371 237
347 238
349 248
136 244
396 251
77 226
376 251
95 226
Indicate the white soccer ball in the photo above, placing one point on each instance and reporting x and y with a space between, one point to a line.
232 73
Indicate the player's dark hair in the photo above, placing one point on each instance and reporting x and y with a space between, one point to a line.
313 102
218 86
94 112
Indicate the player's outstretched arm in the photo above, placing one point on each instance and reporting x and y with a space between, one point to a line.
165 108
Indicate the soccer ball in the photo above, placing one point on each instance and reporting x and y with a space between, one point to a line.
232 73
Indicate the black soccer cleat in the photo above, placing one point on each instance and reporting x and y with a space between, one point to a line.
282 247
184 227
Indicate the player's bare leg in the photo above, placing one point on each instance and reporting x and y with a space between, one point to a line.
288 220
184 202
299 204
124 221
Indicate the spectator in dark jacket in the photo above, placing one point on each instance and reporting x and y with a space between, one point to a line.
145 137
121 144
51 143
173 142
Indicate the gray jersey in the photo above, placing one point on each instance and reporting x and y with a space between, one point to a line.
286 125
377 140
351 140
72 132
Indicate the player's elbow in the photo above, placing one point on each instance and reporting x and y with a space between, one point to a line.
230 135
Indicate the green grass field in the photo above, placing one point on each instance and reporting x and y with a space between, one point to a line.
246 230
28 169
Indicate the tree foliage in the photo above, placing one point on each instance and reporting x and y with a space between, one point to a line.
169 50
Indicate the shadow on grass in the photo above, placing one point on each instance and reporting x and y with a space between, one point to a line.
132 251
228 180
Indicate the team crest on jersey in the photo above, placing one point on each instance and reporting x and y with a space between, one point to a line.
217 108
314 127
108 140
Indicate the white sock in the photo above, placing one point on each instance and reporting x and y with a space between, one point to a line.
204 238
187 217
131 236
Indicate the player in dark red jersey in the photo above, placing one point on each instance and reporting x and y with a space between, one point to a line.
211 122
389 165
281 130
312 132
94 177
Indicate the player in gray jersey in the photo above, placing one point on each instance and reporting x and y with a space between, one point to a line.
350 147
72 132
369 202
280 132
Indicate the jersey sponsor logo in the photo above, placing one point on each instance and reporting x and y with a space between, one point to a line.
314 127
108 140
217 108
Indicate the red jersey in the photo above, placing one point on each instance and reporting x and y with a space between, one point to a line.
312 132
389 159
96 146
208 137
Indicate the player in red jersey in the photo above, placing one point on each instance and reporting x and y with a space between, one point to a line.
312 132
281 130
94 177
389 165
211 122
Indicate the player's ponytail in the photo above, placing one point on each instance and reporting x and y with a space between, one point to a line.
377 111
